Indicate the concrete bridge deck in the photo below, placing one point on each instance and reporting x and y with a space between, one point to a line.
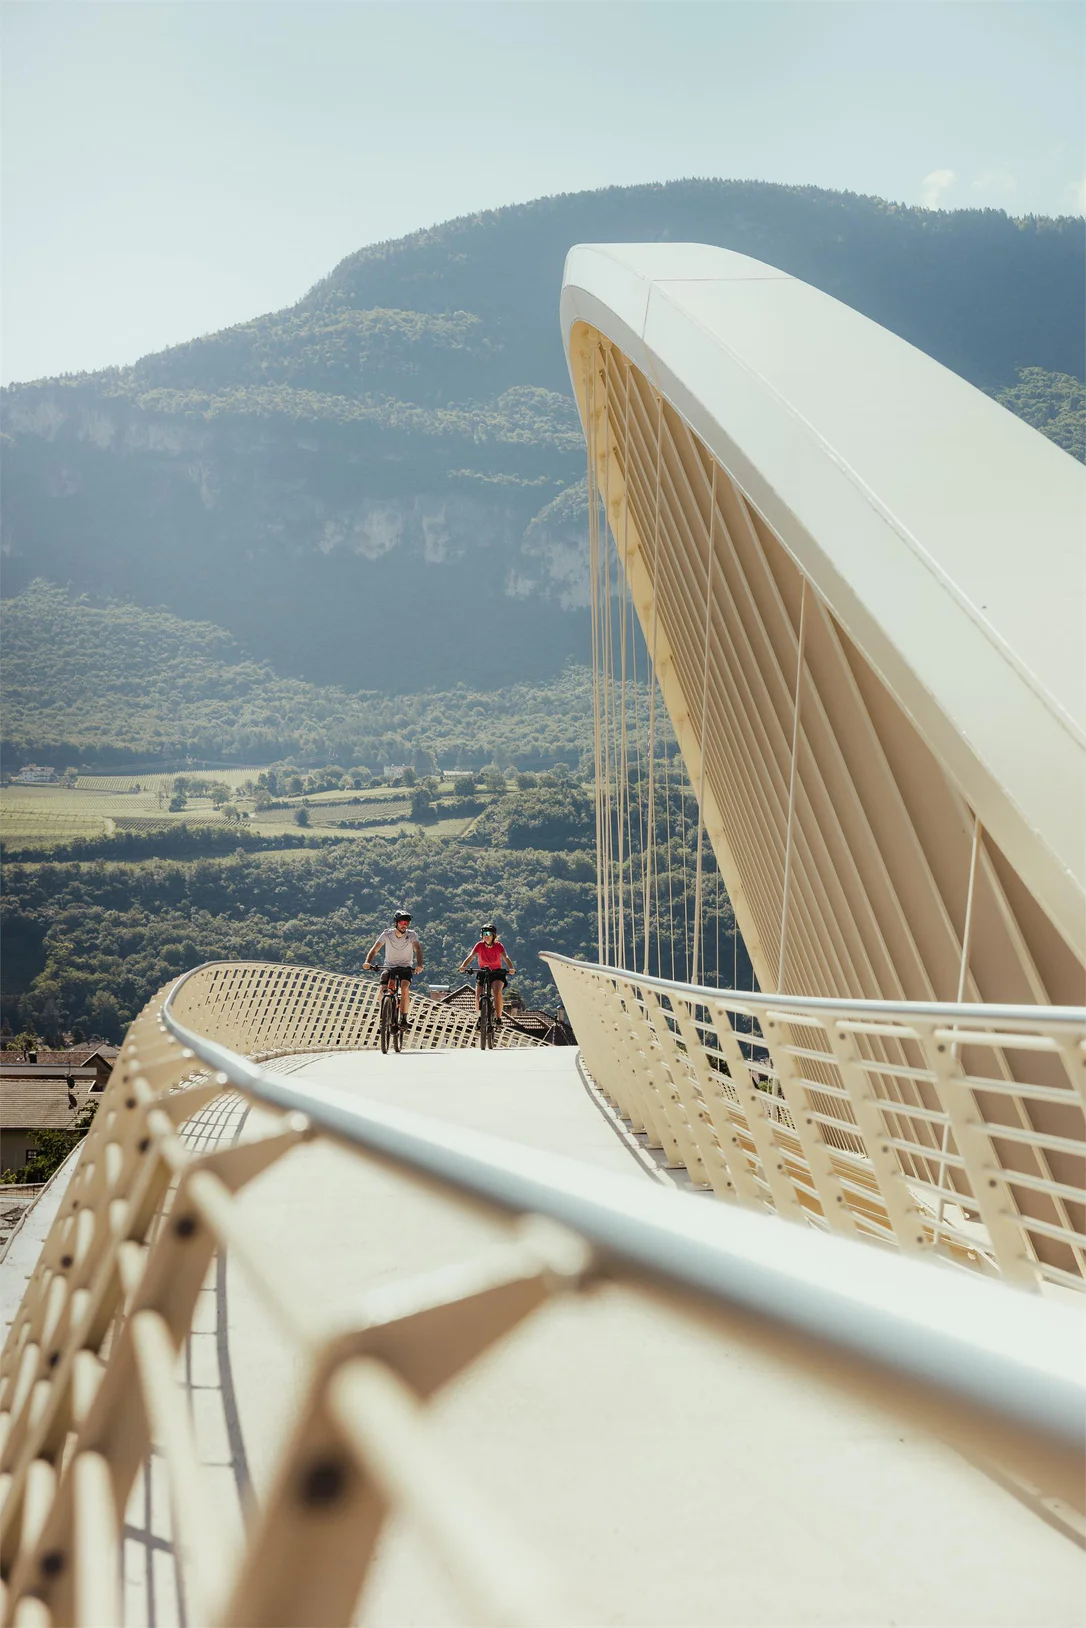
663 1473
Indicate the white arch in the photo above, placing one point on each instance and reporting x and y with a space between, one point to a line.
945 536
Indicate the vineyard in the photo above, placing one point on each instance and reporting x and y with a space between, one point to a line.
107 805
29 827
234 778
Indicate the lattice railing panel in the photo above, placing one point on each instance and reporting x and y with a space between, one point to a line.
257 1007
958 1130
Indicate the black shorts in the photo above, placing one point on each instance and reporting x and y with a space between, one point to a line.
495 974
388 973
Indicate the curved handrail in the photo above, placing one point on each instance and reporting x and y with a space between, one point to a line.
758 1000
981 1365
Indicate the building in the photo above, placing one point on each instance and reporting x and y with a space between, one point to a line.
538 1025
49 1095
35 774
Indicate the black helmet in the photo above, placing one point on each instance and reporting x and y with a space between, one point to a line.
487 927
402 915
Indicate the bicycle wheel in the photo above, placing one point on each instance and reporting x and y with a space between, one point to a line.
397 1027
486 1033
386 1022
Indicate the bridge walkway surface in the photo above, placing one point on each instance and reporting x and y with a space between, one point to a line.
661 1472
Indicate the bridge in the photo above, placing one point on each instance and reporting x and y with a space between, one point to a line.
764 1305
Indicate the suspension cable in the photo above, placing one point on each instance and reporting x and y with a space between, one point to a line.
792 783
649 869
624 834
593 597
704 719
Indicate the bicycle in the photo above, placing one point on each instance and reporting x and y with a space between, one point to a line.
390 1026
486 1012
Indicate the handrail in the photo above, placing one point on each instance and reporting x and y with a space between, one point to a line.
970 1355
88 1378
951 1011
943 1128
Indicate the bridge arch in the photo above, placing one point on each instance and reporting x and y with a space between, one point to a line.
863 582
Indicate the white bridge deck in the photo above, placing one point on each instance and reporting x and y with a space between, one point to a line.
662 1474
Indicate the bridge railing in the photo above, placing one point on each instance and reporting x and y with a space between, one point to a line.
90 1366
259 1007
949 1129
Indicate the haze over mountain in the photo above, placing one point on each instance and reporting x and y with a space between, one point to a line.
381 486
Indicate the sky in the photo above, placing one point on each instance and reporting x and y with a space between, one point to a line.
170 167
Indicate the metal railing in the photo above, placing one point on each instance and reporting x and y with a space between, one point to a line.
949 1129
89 1373
259 1007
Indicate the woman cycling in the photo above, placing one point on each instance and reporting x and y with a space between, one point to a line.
489 956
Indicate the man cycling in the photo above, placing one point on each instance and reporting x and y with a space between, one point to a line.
403 956
489 955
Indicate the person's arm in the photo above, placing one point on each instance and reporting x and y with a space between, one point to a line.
463 967
418 953
505 958
368 962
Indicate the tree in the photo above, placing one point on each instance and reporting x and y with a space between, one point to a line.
301 815
25 1043
422 804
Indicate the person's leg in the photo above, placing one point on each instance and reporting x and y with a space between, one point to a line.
405 995
478 990
499 991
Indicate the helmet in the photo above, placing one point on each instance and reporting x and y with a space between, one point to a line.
402 915
487 927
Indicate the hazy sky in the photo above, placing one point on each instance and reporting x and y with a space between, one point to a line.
170 168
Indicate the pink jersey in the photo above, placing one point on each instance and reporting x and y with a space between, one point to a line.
490 955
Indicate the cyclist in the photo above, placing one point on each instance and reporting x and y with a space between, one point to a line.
489 955
403 956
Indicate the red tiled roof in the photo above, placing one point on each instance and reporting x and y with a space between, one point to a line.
31 1104
78 1056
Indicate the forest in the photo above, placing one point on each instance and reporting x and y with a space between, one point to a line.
88 682
87 942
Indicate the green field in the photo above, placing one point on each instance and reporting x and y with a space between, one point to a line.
103 805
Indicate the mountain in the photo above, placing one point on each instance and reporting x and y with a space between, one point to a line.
88 683
381 487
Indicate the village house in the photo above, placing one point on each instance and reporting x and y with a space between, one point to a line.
35 774
47 1095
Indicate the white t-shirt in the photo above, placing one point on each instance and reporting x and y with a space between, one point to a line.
399 949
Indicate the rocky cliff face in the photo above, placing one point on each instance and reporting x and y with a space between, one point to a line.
331 552
383 486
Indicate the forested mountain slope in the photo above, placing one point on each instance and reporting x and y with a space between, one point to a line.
89 683
379 487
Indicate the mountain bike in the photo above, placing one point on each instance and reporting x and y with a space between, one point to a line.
486 1013
390 1027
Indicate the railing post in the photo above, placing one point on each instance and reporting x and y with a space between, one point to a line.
902 1210
740 1184
831 1194
990 1191
762 1130
700 1153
